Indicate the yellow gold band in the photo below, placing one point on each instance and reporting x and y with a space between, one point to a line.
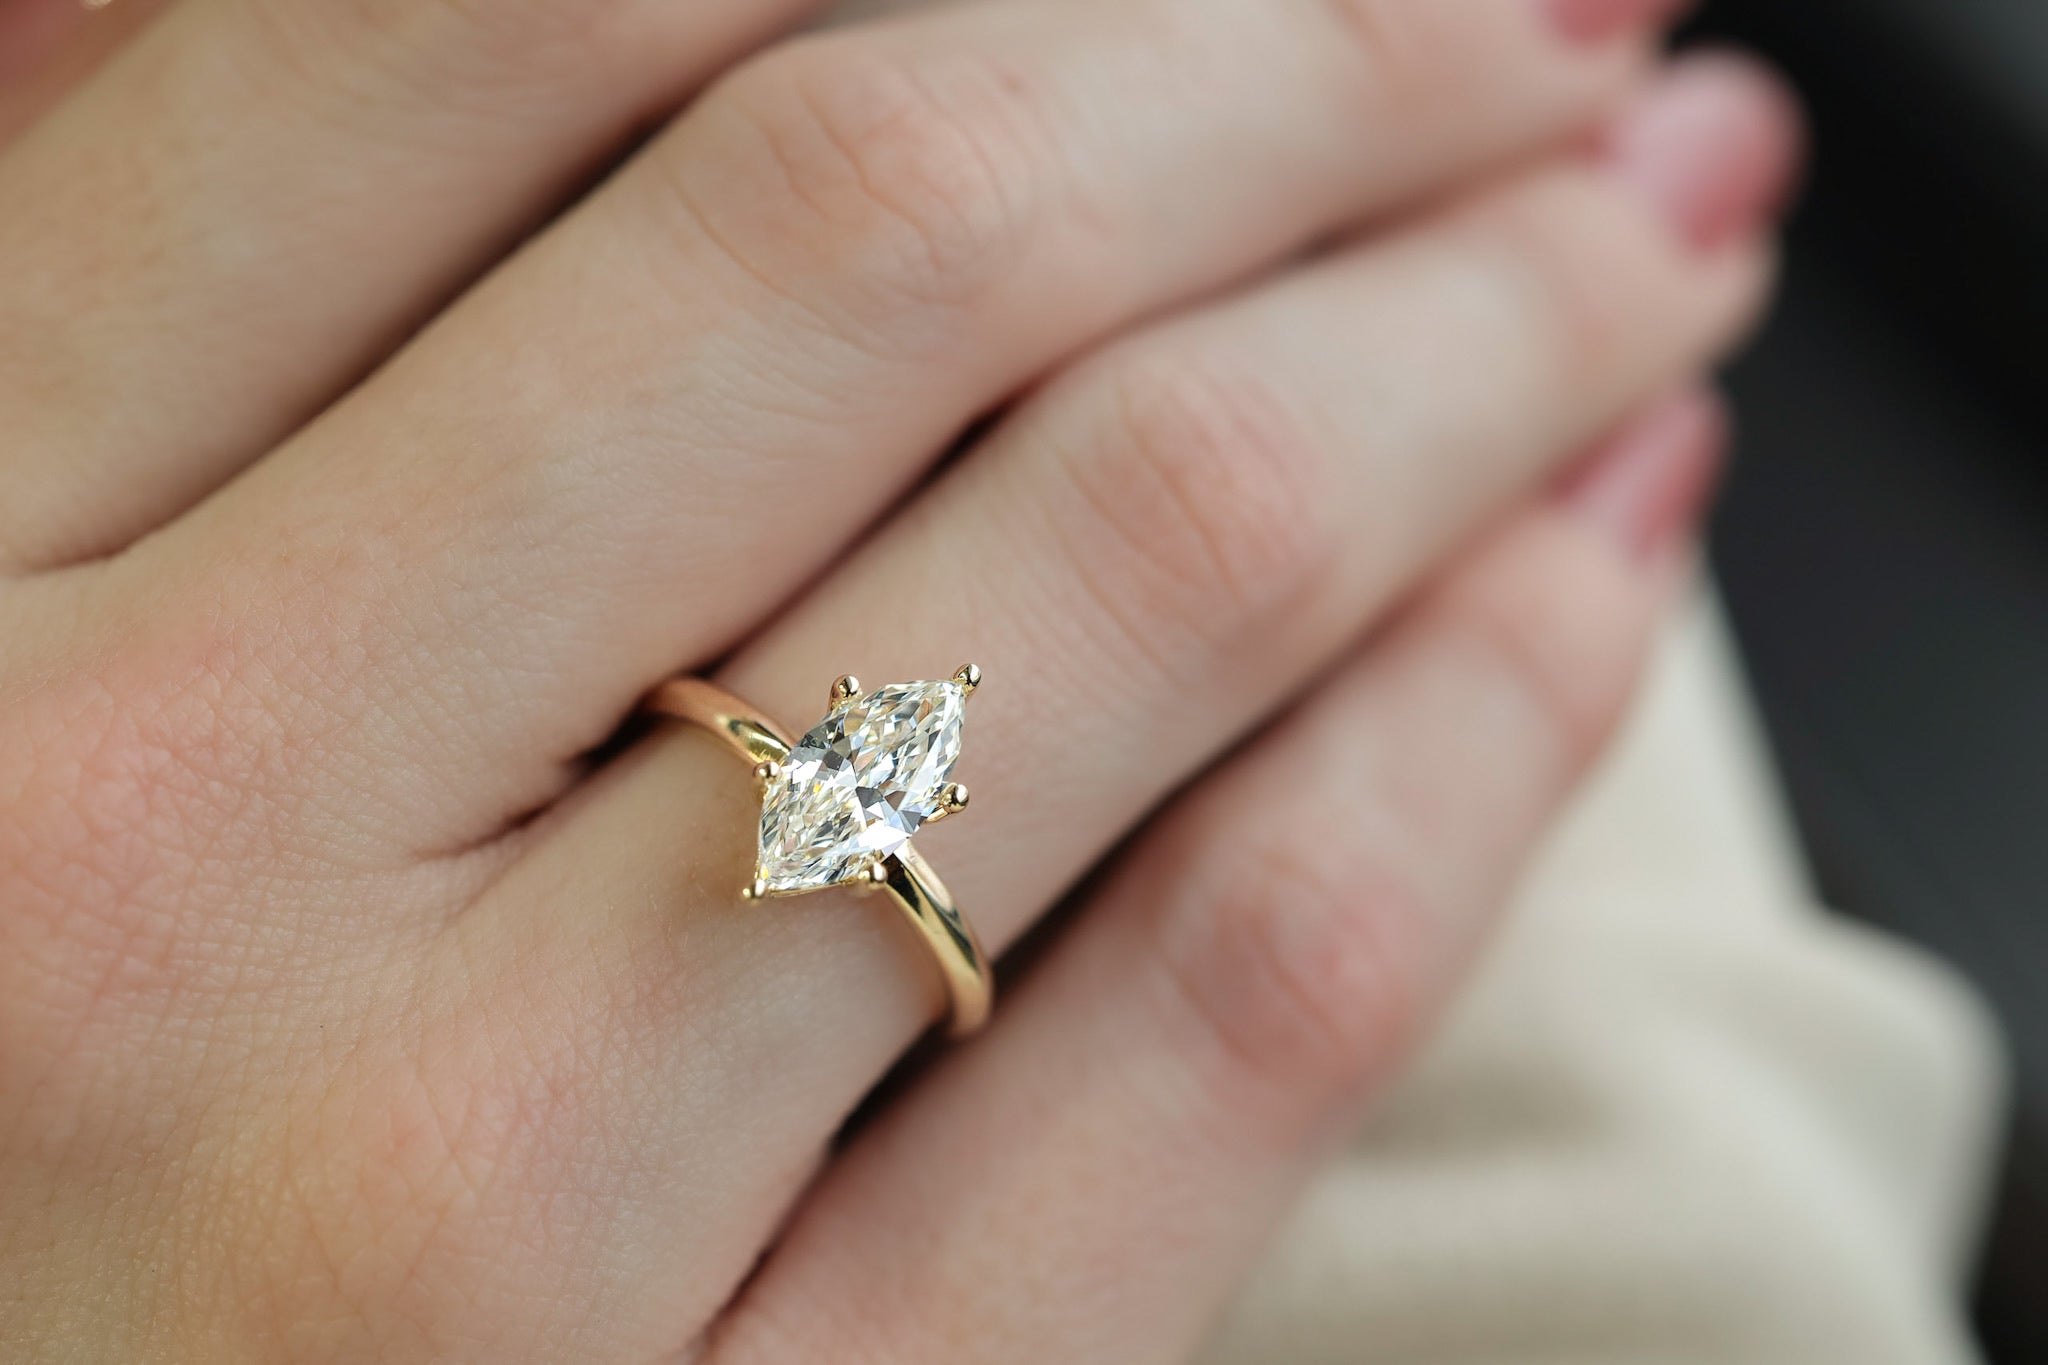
911 884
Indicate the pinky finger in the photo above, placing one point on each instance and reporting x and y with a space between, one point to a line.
1088 1183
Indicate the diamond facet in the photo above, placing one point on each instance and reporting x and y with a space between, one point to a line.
859 784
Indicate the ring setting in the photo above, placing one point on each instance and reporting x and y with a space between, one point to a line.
859 783
840 804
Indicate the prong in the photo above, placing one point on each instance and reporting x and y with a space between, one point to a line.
846 689
952 802
766 771
756 890
873 874
969 678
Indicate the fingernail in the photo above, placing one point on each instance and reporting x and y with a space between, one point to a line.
1715 145
1599 21
1646 486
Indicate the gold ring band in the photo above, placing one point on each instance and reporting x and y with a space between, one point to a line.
901 873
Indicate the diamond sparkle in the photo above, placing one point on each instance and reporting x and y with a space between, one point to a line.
859 784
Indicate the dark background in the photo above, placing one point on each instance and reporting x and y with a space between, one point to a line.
1884 544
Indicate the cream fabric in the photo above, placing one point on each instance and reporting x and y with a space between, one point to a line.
1682 1116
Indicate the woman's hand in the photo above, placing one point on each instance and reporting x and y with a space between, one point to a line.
349 1012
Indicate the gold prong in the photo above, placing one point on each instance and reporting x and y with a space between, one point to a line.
766 771
756 890
969 678
874 873
846 689
951 802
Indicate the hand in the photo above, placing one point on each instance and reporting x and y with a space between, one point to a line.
349 1010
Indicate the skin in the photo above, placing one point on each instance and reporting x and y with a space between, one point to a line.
367 461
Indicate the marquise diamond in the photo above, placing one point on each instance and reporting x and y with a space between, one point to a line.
859 784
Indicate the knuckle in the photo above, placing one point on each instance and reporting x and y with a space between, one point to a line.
1212 495
1395 44
1544 236
1302 972
1603 291
918 179
1551 655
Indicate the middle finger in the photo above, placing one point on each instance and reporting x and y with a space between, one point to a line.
743 349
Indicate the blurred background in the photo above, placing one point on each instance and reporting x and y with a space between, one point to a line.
1884 544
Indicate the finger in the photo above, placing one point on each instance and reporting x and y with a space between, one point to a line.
260 197
1120 657
1185 528
728 363
1156 1093
47 47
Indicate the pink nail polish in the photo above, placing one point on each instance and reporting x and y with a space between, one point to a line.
1646 486
1715 145
1600 21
